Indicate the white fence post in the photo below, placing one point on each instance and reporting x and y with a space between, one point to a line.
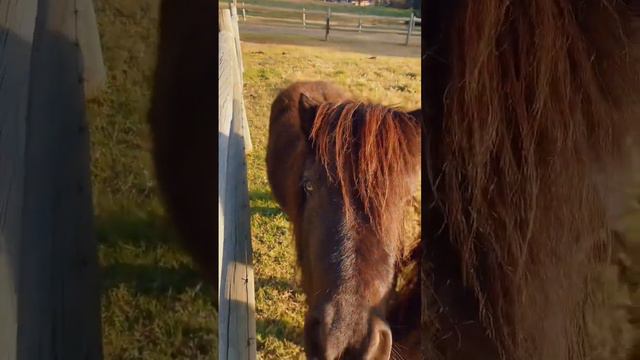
304 18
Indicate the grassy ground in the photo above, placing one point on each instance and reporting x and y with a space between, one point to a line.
153 303
269 68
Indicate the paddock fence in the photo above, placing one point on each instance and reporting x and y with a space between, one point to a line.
236 322
330 20
51 62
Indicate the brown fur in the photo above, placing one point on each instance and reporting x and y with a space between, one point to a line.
533 101
183 125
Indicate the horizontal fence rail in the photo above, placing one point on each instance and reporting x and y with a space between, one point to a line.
50 63
236 328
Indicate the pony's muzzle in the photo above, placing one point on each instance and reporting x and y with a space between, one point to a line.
328 339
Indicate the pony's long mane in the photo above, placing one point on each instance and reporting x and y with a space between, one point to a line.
373 153
535 99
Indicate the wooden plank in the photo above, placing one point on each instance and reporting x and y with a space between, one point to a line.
241 341
225 114
51 251
224 21
236 35
17 23
95 74
236 302
246 135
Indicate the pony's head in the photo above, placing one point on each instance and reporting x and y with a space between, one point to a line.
349 170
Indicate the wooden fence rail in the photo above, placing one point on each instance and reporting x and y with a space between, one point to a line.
49 288
237 333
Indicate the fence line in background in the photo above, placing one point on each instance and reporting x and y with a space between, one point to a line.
328 22
237 332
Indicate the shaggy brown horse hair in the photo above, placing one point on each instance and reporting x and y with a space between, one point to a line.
369 150
183 126
534 101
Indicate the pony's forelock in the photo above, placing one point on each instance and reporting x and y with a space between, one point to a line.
372 153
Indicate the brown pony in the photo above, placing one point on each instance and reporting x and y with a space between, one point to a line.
526 101
343 172
183 126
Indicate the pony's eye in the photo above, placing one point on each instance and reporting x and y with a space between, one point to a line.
308 187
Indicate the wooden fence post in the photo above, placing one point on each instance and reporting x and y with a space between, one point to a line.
244 14
410 28
326 34
49 289
304 18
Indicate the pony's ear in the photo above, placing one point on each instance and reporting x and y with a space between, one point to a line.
307 108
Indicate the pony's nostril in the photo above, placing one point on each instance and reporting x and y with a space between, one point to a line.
380 341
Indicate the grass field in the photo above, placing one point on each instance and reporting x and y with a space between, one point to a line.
154 305
269 68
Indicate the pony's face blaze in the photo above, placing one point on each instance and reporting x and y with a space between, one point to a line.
345 277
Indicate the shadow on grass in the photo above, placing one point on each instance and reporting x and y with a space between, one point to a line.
150 280
143 231
136 228
267 211
280 329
